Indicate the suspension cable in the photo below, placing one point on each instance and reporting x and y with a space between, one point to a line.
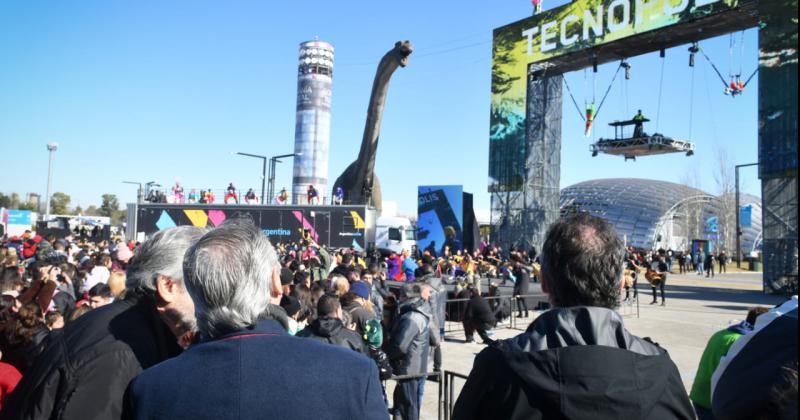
607 91
691 105
577 108
660 91
724 82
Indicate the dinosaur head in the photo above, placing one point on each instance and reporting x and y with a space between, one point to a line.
402 49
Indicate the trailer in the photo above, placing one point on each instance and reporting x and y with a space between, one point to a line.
336 227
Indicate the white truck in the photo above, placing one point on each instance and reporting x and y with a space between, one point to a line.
395 234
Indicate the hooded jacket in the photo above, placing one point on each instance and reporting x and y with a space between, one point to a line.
574 363
410 339
330 330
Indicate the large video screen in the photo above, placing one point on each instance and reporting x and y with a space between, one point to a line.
440 210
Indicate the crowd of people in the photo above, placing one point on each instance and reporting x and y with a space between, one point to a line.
199 323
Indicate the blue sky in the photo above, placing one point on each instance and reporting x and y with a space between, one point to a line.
141 91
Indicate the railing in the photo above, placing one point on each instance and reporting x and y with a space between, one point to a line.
449 393
439 380
461 304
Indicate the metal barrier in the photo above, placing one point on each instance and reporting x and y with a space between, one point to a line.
449 399
461 305
439 380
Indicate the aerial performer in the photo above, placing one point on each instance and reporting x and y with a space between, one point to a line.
231 194
591 110
537 6
736 87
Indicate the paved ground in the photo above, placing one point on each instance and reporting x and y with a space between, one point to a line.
696 308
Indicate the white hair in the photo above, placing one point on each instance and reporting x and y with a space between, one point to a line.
228 274
160 255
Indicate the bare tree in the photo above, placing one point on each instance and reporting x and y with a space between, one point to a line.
724 178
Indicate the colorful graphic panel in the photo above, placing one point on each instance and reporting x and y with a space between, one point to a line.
440 209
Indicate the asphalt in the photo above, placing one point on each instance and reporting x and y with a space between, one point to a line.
696 308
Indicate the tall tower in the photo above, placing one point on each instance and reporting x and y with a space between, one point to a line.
312 128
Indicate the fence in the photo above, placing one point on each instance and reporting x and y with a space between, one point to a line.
445 390
454 310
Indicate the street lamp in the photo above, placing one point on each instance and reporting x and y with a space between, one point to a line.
738 216
51 147
139 192
272 163
263 170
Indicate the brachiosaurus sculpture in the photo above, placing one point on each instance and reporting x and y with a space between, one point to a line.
358 181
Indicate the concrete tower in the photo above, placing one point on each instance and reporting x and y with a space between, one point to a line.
312 128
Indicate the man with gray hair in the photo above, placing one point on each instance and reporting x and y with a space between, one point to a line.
85 370
245 365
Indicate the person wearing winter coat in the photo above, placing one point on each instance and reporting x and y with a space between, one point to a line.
478 317
577 360
328 327
408 347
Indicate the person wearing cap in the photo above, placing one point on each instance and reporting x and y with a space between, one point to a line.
287 278
243 364
408 347
291 305
356 303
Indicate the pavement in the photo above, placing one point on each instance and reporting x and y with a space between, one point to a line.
696 308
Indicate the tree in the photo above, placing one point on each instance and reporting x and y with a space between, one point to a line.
78 210
725 180
27 206
110 205
5 201
91 211
59 203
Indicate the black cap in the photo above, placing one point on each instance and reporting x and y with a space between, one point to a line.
286 276
290 304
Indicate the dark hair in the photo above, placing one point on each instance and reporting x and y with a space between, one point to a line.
753 313
102 290
327 305
582 261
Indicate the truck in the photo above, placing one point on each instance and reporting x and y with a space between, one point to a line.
336 227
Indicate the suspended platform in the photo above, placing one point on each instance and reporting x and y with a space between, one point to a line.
639 145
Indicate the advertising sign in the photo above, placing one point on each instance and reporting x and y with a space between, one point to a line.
572 27
746 216
20 217
440 211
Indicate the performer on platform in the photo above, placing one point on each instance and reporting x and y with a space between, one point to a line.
177 192
210 197
250 197
638 128
338 196
313 195
231 194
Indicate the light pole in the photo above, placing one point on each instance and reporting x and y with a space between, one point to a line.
51 147
263 170
139 191
272 163
738 217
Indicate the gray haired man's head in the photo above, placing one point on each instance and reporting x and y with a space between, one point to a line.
161 255
229 274
582 262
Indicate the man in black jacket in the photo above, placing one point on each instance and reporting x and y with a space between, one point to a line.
577 360
86 368
328 327
478 317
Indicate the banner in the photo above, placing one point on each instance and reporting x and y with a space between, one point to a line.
575 26
746 216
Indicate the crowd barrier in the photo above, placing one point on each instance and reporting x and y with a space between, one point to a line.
454 310
446 390
449 393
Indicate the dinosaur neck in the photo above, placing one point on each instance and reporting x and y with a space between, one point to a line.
365 164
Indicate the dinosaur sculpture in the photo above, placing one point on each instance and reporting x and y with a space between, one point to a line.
358 181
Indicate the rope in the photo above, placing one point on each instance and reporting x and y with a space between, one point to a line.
607 91
741 54
577 108
660 90
724 82
751 77
691 105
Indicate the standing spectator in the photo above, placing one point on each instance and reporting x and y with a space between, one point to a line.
409 265
85 370
523 279
660 267
478 317
709 264
722 259
717 347
328 327
408 348
244 365
9 378
700 260
354 303
576 360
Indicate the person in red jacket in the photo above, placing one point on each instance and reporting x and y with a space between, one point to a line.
9 378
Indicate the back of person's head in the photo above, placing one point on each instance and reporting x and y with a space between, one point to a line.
161 255
116 283
425 269
228 273
753 313
582 262
328 305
